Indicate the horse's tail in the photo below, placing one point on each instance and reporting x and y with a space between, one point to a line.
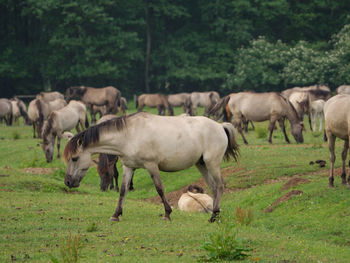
232 149
136 102
86 121
220 104
41 117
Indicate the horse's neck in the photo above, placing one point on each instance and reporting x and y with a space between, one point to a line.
109 144
291 115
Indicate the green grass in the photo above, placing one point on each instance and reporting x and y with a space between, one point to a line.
37 211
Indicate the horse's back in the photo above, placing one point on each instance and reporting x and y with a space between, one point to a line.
337 115
195 202
343 89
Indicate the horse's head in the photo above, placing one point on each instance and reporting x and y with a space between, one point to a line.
48 147
297 131
48 139
77 165
73 92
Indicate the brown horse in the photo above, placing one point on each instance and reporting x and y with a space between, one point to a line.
337 124
108 96
158 101
260 107
50 96
181 99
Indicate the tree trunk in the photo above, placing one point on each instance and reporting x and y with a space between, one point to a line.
148 47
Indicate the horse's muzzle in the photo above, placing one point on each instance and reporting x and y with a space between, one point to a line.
68 182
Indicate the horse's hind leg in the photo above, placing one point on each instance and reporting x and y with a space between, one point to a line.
154 172
344 154
211 173
127 175
331 143
115 175
238 124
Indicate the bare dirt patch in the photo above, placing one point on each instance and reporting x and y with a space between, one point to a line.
293 182
39 170
282 199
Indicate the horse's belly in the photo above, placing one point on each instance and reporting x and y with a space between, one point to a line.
177 164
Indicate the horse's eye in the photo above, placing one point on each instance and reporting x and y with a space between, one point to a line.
74 159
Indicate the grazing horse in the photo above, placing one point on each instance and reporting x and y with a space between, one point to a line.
194 200
50 96
6 111
59 121
343 89
181 99
262 107
39 110
337 124
108 96
155 143
158 101
203 99
316 112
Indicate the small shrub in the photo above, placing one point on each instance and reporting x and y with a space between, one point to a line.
69 250
224 244
261 132
92 227
243 217
16 135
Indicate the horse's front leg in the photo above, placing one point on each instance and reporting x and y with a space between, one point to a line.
58 145
152 168
127 175
283 128
331 142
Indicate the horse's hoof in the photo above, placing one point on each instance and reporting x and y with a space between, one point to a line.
330 186
166 218
114 219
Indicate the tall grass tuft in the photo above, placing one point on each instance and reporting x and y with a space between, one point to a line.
261 132
16 135
224 244
70 249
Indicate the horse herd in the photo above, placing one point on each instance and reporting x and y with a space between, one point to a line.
166 143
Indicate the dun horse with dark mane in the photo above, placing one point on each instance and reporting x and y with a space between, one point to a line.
155 143
249 106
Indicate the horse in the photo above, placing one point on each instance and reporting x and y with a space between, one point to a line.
108 96
123 105
39 110
158 101
194 200
204 99
316 112
106 165
261 107
337 124
155 143
19 109
6 111
181 99
50 96
316 92
59 121
343 89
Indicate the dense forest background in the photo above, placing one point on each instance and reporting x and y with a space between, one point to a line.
173 46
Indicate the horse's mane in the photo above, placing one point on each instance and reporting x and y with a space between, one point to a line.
92 135
288 102
49 124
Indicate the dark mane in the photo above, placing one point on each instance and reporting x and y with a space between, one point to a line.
49 124
92 135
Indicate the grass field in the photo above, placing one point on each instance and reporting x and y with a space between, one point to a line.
38 213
